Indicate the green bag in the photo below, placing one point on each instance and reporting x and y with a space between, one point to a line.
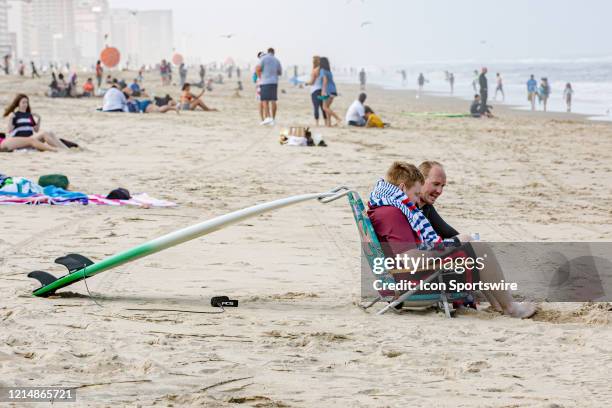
57 180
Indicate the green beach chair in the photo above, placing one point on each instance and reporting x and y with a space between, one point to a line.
371 249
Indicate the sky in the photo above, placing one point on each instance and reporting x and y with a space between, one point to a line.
400 32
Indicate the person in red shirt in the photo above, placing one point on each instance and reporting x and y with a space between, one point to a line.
397 236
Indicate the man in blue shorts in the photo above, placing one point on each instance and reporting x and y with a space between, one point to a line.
269 69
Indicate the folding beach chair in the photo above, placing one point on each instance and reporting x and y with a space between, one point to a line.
372 249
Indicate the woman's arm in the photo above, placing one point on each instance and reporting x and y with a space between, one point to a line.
324 86
10 123
36 122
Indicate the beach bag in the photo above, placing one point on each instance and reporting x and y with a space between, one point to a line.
57 180
119 194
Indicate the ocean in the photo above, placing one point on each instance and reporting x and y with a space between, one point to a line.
591 81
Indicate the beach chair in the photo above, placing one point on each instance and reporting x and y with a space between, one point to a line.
372 249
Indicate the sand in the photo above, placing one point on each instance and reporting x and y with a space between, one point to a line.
297 339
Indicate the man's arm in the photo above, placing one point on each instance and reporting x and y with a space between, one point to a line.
438 224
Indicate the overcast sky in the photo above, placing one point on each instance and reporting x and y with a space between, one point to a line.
401 31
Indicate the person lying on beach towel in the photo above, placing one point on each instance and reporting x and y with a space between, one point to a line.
190 101
402 228
24 129
147 105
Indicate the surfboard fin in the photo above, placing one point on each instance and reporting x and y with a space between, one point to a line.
74 262
45 278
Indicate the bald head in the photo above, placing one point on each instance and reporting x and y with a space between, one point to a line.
435 181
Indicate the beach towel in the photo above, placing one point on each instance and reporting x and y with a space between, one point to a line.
19 190
138 200
386 194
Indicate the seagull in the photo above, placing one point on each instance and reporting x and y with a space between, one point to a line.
228 36
365 23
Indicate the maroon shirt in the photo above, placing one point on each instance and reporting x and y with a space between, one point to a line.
393 230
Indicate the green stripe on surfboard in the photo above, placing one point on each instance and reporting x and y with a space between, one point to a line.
108 263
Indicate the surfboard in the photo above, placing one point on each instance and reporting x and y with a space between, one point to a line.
79 267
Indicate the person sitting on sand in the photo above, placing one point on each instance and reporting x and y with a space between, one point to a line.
24 129
136 89
355 115
403 229
190 101
477 110
88 87
62 86
372 119
114 100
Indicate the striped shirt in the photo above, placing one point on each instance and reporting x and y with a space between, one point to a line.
23 124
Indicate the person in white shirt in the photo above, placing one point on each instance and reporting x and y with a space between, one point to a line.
114 101
355 116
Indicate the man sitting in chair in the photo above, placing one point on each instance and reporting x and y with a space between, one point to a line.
433 187
402 227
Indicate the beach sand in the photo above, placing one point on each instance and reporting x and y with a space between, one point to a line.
298 339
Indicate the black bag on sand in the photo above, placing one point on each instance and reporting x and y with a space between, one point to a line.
119 194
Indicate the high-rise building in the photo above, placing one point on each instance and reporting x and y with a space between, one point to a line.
142 36
156 34
53 35
5 46
91 24
20 26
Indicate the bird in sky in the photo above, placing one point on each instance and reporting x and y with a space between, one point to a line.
228 36
365 23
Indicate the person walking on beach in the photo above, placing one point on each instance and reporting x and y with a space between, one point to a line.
7 62
99 73
484 89
328 91
202 74
269 69
532 90
451 81
475 80
163 72
182 74
34 71
544 92
316 84
362 79
421 83
403 72
500 86
567 95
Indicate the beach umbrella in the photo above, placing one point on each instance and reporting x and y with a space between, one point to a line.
229 61
110 56
177 59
